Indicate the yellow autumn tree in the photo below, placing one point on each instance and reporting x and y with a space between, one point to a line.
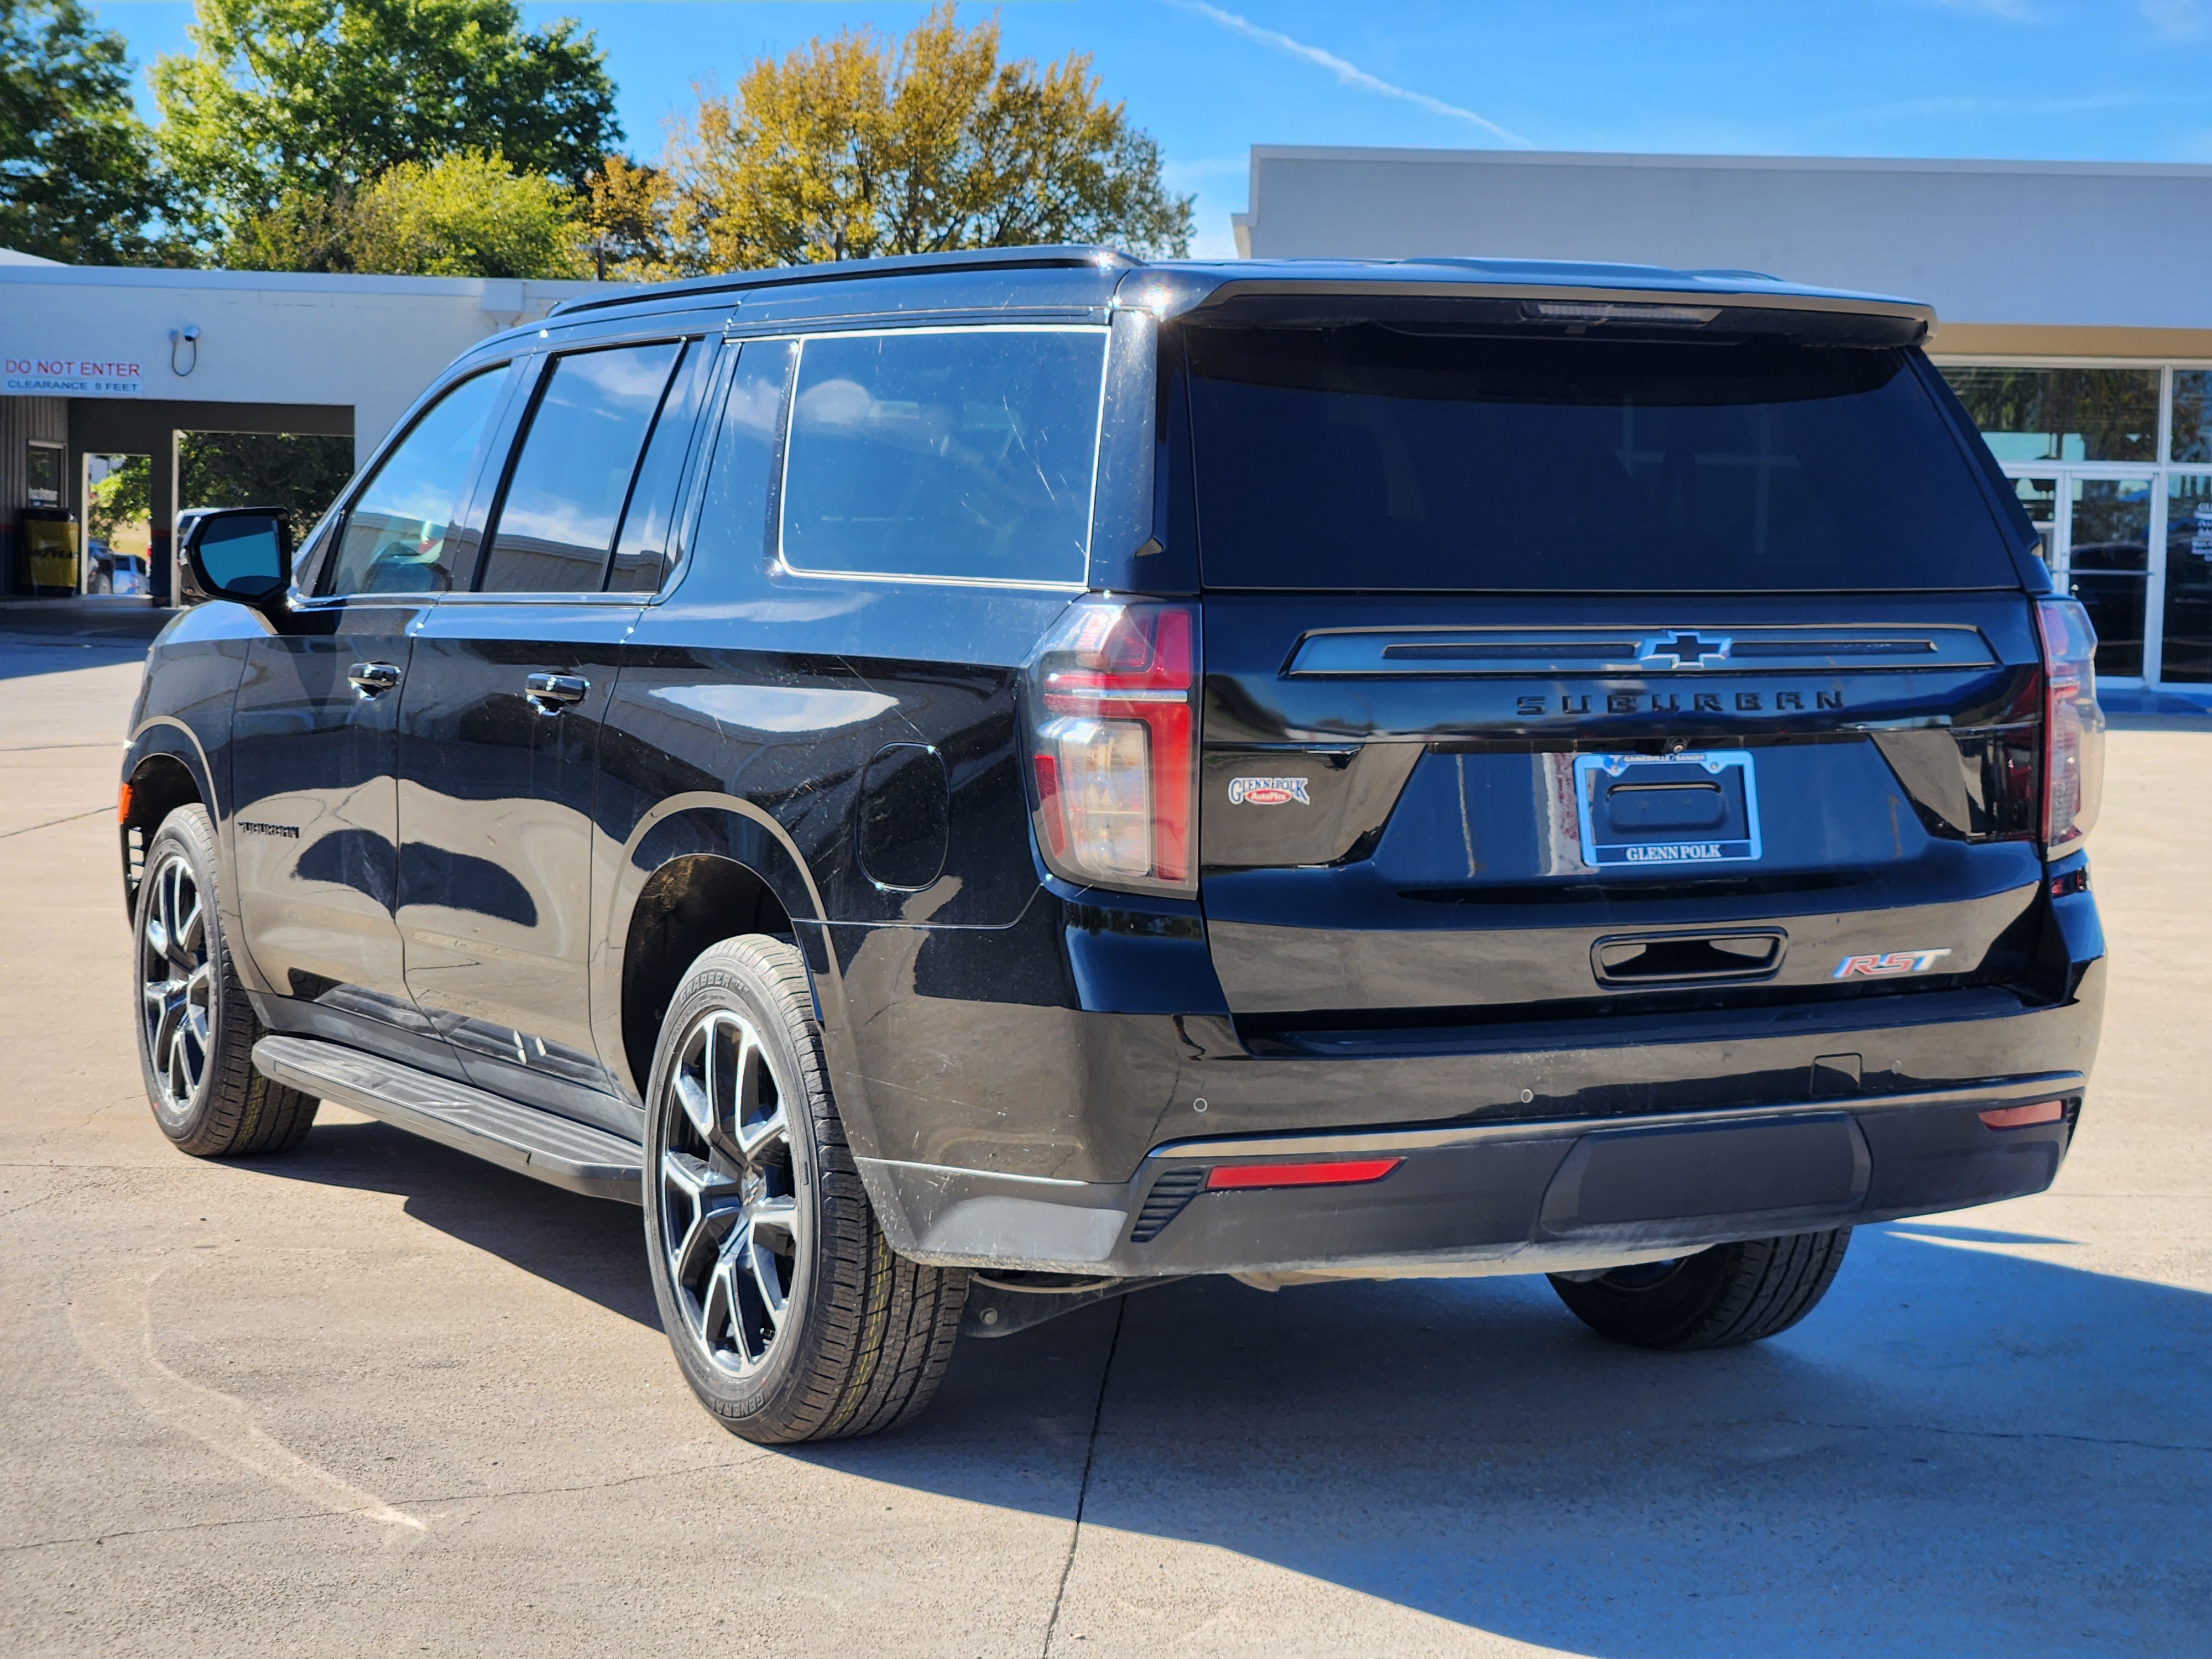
858 146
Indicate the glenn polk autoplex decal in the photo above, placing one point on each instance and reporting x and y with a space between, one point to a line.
1268 791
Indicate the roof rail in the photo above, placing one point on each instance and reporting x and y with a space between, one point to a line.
1049 257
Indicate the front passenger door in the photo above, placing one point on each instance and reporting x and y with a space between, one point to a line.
500 723
315 830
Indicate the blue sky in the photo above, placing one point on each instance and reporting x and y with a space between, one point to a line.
2126 80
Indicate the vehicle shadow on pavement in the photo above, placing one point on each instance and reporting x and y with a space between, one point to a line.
1961 1451
1965 1450
23 657
592 1246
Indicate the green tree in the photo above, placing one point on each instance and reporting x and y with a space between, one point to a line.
287 108
466 214
857 146
299 472
124 496
77 179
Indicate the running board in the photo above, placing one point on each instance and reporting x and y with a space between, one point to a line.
516 1137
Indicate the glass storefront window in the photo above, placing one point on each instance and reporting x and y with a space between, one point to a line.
2040 497
2108 565
2187 633
2192 415
2063 414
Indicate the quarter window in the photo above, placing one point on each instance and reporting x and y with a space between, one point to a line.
732 529
959 454
556 525
395 540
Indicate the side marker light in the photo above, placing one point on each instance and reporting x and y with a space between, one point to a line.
2019 1117
1247 1176
123 804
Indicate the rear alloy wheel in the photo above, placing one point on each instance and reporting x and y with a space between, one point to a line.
1717 1298
196 1030
789 1313
730 1219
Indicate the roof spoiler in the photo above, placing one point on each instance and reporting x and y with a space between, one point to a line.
1623 312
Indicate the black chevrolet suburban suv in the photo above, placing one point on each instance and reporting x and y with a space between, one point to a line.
970 785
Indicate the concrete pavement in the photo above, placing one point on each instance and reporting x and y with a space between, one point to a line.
378 1397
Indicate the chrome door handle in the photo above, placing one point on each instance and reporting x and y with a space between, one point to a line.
370 678
549 694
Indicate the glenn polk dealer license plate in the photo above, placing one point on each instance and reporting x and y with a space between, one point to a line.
1644 810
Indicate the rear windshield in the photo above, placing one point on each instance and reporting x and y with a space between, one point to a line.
1376 458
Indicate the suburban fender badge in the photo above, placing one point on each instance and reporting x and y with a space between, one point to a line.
1268 791
1885 966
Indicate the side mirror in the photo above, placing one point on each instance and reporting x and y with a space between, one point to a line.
240 553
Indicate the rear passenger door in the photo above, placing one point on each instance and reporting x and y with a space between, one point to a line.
501 727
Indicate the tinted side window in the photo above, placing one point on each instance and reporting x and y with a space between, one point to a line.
732 529
394 540
557 524
967 454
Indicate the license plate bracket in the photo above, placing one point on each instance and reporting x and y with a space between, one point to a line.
1645 811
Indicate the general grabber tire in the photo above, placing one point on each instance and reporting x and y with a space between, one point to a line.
790 1316
195 1029
1717 1298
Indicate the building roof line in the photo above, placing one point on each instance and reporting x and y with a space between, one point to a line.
1528 158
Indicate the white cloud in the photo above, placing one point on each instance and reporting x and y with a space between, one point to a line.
1349 74
2011 11
1185 175
1970 107
2177 20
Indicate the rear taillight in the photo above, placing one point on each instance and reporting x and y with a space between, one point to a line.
2073 725
1111 699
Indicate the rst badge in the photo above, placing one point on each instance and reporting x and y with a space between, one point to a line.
1268 791
1888 964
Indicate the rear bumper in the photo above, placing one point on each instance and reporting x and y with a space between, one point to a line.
1525 1196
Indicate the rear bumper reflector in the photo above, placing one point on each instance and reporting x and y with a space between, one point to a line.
2019 1117
1351 1173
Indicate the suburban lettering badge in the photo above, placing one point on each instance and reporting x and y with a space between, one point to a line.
1885 966
1268 791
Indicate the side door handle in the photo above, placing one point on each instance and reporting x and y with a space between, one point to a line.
370 678
549 694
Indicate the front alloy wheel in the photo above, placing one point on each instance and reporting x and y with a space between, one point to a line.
195 1026
176 992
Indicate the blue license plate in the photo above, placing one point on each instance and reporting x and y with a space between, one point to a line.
1641 811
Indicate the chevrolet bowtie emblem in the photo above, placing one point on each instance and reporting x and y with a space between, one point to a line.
1681 650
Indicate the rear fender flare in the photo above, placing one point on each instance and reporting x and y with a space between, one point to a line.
724 826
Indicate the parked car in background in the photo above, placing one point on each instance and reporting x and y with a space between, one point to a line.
109 571
970 785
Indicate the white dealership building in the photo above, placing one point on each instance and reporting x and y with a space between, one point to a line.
2077 324
2075 304
103 362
